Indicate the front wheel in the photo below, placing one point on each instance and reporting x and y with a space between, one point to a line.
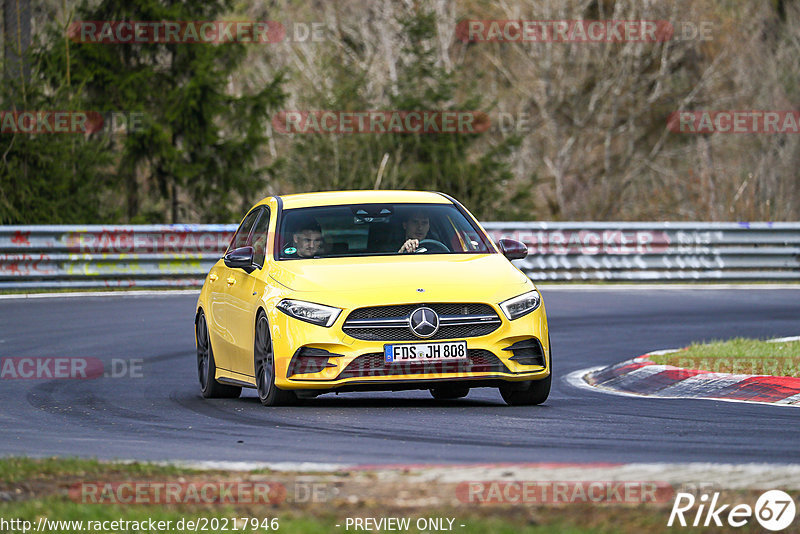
527 393
207 368
530 392
264 364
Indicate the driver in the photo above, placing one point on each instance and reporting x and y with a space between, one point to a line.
416 227
307 241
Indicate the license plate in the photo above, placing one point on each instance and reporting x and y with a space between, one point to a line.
425 352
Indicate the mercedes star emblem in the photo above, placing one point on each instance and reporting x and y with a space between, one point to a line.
424 322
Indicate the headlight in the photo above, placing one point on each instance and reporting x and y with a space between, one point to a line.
309 312
521 305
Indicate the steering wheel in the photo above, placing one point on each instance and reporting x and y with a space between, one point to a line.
431 245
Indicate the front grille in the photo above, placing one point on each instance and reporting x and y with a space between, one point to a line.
469 320
374 364
404 310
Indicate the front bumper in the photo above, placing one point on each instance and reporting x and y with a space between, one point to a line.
337 361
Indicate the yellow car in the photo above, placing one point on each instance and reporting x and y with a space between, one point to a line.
369 290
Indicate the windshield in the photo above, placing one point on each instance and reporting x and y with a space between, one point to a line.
377 229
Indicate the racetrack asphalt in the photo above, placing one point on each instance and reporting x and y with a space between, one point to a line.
160 415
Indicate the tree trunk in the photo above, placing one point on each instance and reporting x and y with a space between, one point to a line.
174 203
17 39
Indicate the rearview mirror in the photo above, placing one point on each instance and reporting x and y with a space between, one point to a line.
240 258
513 249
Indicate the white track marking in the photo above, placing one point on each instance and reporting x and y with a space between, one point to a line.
728 476
567 286
84 294
575 379
723 476
251 466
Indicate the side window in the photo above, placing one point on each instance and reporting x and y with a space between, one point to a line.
240 238
259 241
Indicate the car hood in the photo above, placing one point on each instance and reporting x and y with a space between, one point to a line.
485 277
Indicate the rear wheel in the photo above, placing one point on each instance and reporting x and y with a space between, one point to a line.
264 364
207 368
449 392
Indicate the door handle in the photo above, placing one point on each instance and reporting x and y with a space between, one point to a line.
231 281
213 277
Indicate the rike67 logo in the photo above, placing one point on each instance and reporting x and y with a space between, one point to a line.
774 510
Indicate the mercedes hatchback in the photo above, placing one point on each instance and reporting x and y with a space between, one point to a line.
369 290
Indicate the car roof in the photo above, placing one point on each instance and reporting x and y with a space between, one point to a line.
333 198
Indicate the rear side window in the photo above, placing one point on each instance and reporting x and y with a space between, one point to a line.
240 238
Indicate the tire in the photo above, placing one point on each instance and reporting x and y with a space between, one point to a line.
449 392
531 392
207 367
527 393
264 367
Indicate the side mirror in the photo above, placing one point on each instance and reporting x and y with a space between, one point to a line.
240 258
513 249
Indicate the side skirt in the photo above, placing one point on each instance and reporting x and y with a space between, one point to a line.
234 382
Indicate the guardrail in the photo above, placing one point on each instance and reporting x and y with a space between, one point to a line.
656 251
41 257
178 255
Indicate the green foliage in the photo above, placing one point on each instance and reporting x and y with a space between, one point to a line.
466 166
51 178
194 153
197 137
15 469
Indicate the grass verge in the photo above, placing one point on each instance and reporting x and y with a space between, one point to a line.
54 490
738 356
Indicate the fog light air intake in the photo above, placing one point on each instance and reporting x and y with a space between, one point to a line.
527 352
310 360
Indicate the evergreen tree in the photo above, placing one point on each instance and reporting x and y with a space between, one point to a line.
50 178
195 152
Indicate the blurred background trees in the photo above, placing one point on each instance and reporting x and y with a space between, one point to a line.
579 131
194 155
47 178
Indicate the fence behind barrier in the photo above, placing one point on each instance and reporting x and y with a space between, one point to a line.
40 257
